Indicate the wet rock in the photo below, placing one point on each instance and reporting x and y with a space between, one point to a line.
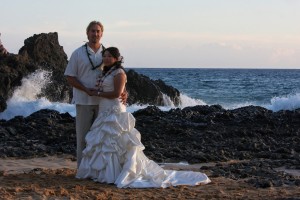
143 90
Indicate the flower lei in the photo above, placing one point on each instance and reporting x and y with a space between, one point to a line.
101 78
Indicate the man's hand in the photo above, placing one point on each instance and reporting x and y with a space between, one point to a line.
74 82
124 97
92 92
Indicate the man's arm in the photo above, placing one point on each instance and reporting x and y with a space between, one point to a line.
119 89
124 96
74 82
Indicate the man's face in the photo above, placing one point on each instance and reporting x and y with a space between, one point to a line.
94 34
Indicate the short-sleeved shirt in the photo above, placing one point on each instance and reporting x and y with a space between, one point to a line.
80 67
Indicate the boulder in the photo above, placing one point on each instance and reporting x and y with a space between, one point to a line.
12 69
143 90
45 51
40 51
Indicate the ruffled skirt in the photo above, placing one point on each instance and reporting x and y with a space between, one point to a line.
114 154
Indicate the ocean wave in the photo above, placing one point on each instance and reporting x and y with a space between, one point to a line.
289 102
188 101
26 108
20 107
25 100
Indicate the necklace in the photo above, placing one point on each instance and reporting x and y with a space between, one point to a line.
88 55
101 78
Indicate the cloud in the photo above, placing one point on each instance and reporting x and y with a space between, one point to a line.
233 46
283 55
127 24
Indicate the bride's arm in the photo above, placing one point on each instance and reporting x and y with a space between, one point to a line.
119 85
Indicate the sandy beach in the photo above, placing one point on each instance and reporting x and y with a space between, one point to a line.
54 178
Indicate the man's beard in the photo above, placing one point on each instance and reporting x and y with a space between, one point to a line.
94 40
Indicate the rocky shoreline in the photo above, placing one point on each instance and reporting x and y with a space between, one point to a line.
251 143
258 140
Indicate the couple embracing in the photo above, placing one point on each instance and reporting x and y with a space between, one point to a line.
109 148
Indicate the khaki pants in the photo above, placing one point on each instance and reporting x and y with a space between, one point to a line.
85 116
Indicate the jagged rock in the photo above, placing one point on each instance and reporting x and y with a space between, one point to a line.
143 90
40 51
170 91
45 51
3 51
12 69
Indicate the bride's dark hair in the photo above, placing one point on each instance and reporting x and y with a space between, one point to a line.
114 51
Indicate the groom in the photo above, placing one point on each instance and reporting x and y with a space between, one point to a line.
81 73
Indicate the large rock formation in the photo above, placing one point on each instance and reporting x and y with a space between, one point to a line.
39 52
43 52
12 69
143 90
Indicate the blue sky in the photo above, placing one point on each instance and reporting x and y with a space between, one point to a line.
167 33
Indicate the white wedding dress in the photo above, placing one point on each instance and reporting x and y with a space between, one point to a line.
114 152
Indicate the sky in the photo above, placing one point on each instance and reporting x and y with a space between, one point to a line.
167 33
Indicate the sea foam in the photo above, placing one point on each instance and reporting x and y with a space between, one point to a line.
289 102
25 100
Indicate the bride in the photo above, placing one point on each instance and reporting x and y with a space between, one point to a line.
114 152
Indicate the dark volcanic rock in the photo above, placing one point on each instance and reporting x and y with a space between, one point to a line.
143 90
12 69
44 51
261 139
43 133
40 51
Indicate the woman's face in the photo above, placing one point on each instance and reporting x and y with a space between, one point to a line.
108 59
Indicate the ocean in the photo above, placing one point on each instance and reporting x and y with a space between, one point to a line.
274 89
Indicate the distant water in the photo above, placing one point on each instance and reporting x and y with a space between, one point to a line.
274 89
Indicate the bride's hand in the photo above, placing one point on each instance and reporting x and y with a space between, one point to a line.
92 92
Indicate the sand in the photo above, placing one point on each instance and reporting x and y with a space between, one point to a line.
54 178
